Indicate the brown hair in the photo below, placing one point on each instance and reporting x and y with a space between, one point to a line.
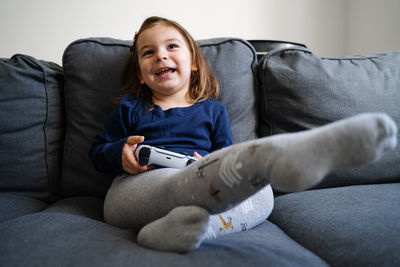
203 83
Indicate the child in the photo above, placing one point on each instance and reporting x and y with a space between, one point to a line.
169 102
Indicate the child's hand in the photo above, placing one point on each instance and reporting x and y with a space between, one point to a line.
129 161
197 155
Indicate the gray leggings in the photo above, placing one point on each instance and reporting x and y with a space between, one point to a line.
134 201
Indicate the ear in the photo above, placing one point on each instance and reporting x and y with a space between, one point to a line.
194 68
140 78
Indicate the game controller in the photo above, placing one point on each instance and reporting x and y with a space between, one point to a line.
147 155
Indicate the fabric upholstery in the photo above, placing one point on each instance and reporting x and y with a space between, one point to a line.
62 238
90 207
237 86
347 226
92 69
300 91
32 126
13 206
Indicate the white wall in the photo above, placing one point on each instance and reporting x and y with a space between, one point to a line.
373 26
43 28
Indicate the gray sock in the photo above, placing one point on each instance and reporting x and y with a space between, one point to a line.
181 230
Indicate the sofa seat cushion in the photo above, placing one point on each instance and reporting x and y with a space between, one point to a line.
13 206
31 126
90 207
66 235
348 226
301 91
93 70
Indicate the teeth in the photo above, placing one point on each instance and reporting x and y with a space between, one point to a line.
164 69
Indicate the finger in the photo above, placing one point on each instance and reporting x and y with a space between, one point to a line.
136 139
138 169
128 156
134 163
197 155
127 162
134 168
149 167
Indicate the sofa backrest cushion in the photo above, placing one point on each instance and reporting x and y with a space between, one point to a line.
32 126
93 69
300 91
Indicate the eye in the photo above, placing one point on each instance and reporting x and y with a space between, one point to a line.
147 52
172 46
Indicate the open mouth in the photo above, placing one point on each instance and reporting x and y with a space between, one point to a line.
165 71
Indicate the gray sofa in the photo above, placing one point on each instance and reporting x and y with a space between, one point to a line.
51 196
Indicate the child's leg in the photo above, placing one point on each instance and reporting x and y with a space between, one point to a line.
289 162
185 227
248 214
228 176
132 200
136 200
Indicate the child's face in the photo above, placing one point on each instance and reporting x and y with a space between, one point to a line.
164 60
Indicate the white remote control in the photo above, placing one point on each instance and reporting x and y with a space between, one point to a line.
147 155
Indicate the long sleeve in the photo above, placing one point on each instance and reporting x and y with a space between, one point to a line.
221 135
106 151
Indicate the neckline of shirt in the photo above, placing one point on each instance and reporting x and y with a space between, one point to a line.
176 110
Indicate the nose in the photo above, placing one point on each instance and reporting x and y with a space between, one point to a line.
161 58
161 55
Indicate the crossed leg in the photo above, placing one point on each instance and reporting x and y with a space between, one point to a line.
181 201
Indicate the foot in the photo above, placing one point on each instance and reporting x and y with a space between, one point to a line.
181 230
301 160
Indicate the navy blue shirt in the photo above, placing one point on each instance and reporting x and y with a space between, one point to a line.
203 127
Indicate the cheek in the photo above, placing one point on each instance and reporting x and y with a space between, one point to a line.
144 69
186 62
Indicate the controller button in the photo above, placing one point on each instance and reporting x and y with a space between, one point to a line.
190 161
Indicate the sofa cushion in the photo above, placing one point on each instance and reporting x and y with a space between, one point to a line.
66 239
32 126
347 226
93 68
233 61
90 207
13 206
300 91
